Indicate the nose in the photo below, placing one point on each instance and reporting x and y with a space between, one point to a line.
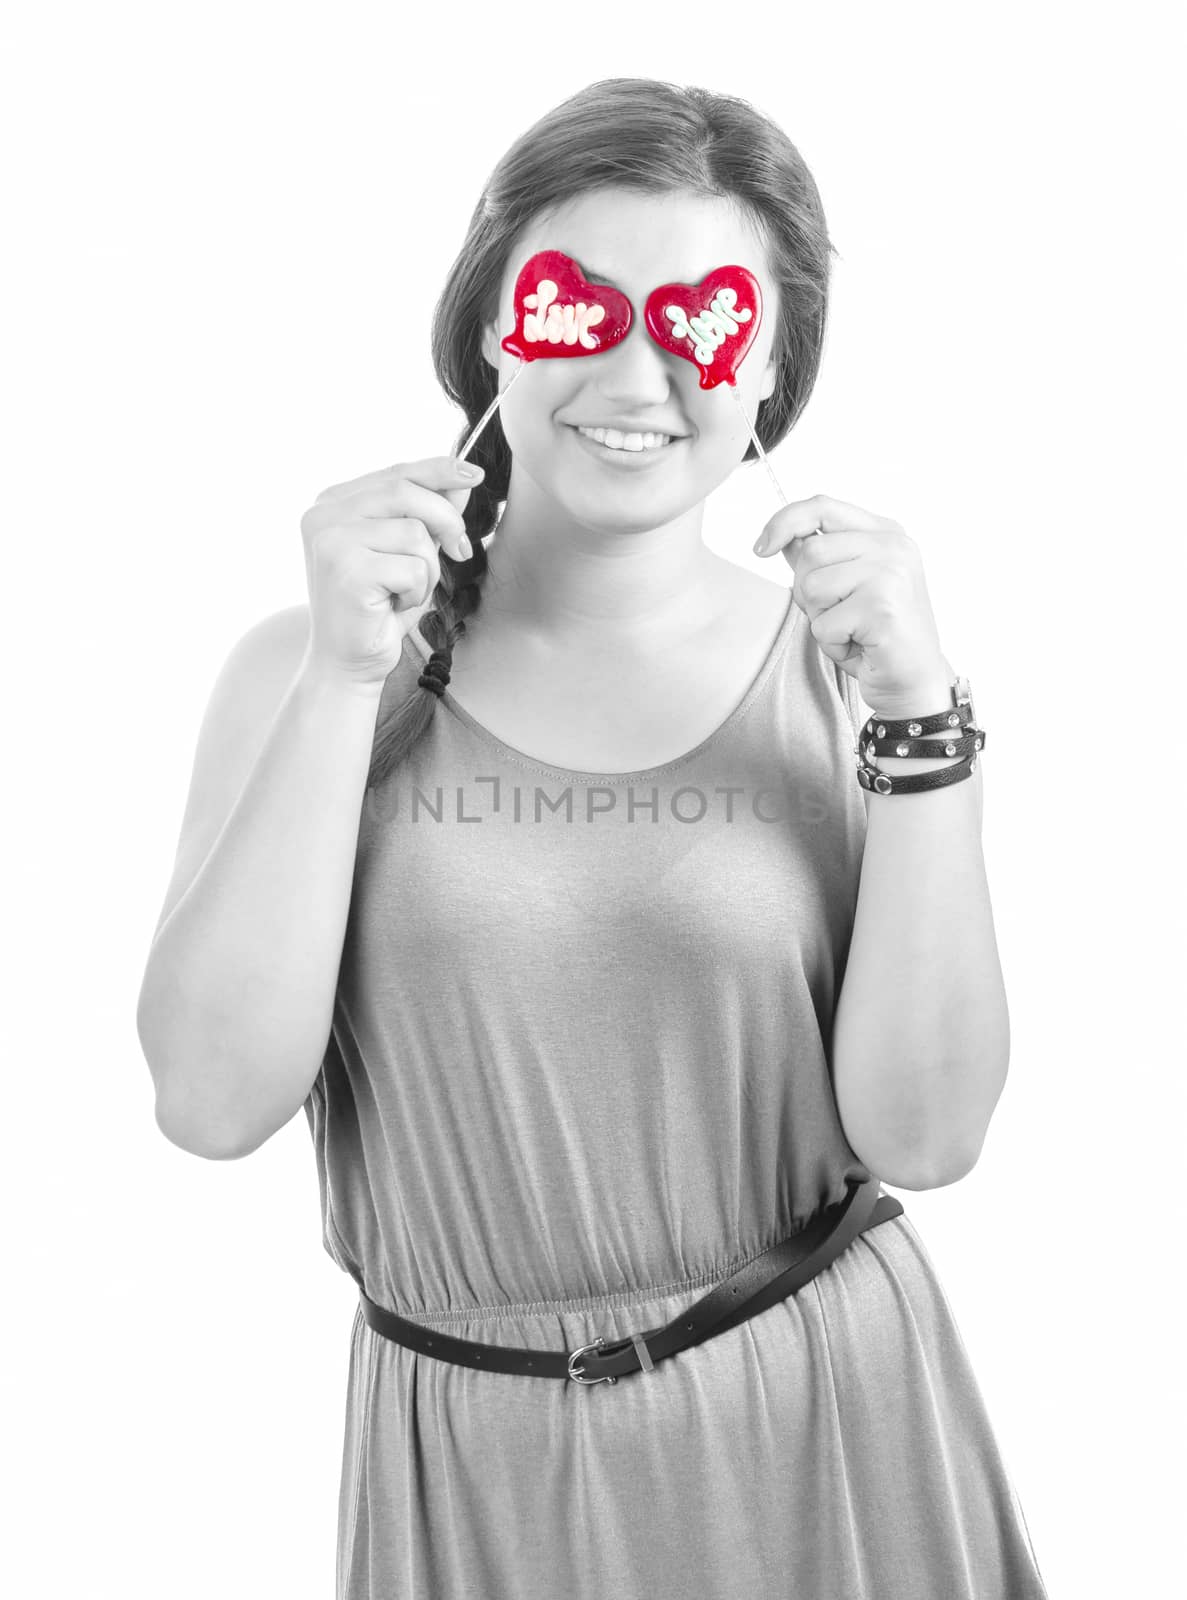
635 372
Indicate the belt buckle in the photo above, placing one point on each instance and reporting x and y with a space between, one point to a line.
598 1344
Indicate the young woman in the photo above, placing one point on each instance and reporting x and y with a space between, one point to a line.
533 870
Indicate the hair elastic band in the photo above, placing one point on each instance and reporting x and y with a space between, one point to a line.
436 674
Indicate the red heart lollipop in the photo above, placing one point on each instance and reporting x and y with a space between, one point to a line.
711 323
557 313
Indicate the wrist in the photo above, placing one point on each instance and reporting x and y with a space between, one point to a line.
319 680
935 696
931 698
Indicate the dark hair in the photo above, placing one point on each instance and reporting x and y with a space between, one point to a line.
633 133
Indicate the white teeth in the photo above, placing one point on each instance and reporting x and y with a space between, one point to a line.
616 440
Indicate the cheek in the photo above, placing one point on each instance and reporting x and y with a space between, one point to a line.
529 413
720 425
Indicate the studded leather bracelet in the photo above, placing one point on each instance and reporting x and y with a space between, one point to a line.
884 736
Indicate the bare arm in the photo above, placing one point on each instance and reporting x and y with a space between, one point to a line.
921 1039
237 999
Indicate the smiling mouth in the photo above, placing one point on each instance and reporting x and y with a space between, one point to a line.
617 443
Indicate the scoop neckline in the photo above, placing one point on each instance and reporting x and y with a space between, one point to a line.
521 757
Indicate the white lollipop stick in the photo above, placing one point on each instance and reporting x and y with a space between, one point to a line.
487 415
758 444
761 452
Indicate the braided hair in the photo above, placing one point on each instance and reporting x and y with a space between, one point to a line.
652 137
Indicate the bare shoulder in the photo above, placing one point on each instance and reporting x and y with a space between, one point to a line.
256 675
281 636
257 672
247 692
752 600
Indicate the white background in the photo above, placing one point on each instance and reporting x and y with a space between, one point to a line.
226 227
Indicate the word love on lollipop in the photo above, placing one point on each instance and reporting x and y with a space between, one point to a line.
712 324
557 313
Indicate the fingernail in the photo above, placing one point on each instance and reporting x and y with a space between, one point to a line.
760 548
465 547
468 471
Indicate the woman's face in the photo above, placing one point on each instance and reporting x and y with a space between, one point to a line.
636 242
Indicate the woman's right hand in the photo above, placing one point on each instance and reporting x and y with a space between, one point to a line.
371 562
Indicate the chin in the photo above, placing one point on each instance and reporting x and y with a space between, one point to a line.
608 500
632 509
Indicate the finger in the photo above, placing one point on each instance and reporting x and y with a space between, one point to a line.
411 577
403 497
805 552
399 535
439 472
849 627
821 511
433 472
442 474
820 587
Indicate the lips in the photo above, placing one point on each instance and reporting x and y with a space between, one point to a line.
604 452
711 323
558 313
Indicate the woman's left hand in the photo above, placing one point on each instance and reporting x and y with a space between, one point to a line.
862 588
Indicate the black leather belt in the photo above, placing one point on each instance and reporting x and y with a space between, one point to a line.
770 1277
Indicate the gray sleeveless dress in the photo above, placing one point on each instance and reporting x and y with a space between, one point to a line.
578 1071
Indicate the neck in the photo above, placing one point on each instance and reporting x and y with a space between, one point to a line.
559 579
